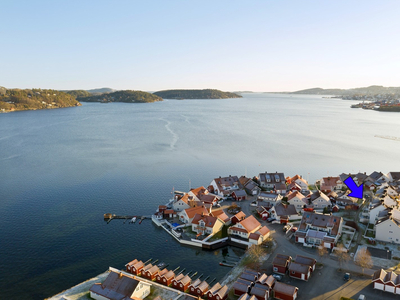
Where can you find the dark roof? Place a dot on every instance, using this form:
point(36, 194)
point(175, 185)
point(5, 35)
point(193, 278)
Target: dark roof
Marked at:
point(285, 209)
point(281, 260)
point(285, 288)
point(375, 175)
point(299, 268)
point(116, 286)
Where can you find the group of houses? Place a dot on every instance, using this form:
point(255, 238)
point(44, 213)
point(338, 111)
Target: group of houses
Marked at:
point(386, 281)
point(184, 283)
point(253, 285)
point(384, 211)
point(300, 268)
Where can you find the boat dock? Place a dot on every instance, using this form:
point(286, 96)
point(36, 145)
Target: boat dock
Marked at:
point(109, 217)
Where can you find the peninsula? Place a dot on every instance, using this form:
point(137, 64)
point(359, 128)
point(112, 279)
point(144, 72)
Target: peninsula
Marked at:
point(196, 94)
point(32, 99)
point(128, 96)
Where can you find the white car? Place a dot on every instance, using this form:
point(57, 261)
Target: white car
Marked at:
point(254, 203)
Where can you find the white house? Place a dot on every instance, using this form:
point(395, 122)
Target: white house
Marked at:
point(320, 201)
point(181, 203)
point(374, 212)
point(188, 214)
point(319, 229)
point(273, 182)
point(297, 199)
point(300, 181)
point(223, 186)
point(390, 202)
point(120, 285)
point(393, 176)
point(284, 212)
point(269, 198)
point(206, 224)
point(388, 230)
point(245, 227)
point(392, 192)
point(329, 184)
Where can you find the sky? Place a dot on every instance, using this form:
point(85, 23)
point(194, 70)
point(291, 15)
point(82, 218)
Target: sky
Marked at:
point(265, 46)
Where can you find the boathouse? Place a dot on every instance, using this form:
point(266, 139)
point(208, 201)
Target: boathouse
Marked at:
point(202, 288)
point(151, 273)
point(193, 286)
point(280, 263)
point(160, 274)
point(167, 278)
point(184, 283)
point(176, 280)
point(220, 294)
point(260, 291)
point(135, 267)
point(284, 291)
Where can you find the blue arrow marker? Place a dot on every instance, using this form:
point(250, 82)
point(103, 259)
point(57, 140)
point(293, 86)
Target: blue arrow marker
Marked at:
point(356, 191)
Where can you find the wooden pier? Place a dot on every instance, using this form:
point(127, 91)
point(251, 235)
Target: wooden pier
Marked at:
point(109, 217)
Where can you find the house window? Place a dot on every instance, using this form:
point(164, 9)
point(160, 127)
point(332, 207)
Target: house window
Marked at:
point(293, 272)
point(275, 269)
point(390, 231)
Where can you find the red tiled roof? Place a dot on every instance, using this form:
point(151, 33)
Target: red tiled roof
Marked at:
point(250, 223)
point(191, 212)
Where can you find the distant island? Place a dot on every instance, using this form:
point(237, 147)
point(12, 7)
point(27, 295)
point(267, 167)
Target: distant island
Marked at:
point(32, 99)
point(196, 94)
point(127, 96)
point(371, 90)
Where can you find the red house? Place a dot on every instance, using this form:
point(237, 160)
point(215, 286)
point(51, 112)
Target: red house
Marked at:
point(280, 263)
point(284, 291)
point(167, 278)
point(247, 297)
point(267, 280)
point(239, 195)
point(306, 261)
point(241, 286)
point(145, 269)
point(176, 280)
point(213, 290)
point(135, 267)
point(240, 216)
point(261, 292)
point(299, 271)
point(220, 294)
point(193, 286)
point(160, 275)
point(202, 288)
point(151, 273)
point(184, 283)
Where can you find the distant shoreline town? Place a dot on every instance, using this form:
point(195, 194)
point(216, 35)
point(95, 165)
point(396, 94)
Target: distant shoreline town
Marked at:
point(291, 229)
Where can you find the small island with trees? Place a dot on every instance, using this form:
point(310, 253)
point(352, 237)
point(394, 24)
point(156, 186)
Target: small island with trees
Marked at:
point(127, 96)
point(196, 94)
point(32, 99)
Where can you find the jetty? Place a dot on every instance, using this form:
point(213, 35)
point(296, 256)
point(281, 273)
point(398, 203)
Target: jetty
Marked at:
point(109, 217)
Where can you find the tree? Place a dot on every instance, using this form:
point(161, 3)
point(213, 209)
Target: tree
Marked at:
point(254, 256)
point(342, 255)
point(322, 251)
point(363, 259)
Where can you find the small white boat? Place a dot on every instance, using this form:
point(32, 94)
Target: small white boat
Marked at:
point(133, 220)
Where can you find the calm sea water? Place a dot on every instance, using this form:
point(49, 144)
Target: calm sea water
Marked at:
point(61, 170)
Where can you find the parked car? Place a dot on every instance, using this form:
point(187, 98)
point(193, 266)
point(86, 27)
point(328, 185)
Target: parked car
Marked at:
point(346, 277)
point(277, 277)
point(294, 229)
point(254, 203)
point(271, 219)
point(286, 228)
point(362, 297)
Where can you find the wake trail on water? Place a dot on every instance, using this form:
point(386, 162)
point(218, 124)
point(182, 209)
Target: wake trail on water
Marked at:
point(175, 137)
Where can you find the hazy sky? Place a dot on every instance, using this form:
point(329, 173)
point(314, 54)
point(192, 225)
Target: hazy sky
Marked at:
point(228, 45)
